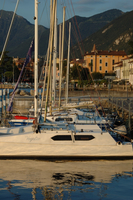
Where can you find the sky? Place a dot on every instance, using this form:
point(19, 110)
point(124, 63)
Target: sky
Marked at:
point(83, 8)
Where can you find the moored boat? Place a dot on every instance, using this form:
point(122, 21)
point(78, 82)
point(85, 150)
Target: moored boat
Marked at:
point(53, 140)
point(64, 141)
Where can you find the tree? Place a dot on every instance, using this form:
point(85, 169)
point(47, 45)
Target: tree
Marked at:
point(16, 73)
point(6, 65)
point(76, 72)
point(97, 75)
point(64, 68)
point(85, 75)
point(8, 75)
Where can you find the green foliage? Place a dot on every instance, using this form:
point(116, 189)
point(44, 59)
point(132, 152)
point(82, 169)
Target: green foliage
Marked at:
point(79, 73)
point(80, 83)
point(97, 75)
point(103, 81)
point(83, 82)
point(76, 72)
point(85, 75)
point(16, 73)
point(110, 74)
point(6, 68)
point(8, 75)
point(5, 65)
point(7, 62)
point(64, 68)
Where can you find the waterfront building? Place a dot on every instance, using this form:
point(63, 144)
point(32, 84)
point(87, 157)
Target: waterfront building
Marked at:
point(131, 72)
point(124, 70)
point(102, 60)
point(118, 70)
point(77, 61)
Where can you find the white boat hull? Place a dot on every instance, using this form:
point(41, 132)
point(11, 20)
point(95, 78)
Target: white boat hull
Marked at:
point(27, 150)
point(46, 144)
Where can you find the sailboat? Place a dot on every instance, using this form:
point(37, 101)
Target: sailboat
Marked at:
point(50, 140)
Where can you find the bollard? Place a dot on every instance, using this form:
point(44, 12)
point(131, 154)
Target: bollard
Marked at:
point(112, 103)
point(40, 98)
point(122, 109)
point(8, 97)
point(4, 100)
point(0, 103)
point(129, 117)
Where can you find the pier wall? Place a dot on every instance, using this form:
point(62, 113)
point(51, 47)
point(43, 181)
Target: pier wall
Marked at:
point(23, 103)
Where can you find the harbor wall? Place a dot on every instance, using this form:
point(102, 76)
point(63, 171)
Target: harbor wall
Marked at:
point(23, 103)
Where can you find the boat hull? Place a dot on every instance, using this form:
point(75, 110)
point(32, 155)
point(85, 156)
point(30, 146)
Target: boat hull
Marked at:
point(48, 144)
point(20, 122)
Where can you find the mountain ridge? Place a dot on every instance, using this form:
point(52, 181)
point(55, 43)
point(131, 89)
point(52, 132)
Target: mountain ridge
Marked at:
point(23, 31)
point(113, 36)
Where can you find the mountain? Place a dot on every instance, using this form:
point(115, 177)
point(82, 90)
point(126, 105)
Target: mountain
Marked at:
point(23, 32)
point(113, 36)
point(88, 26)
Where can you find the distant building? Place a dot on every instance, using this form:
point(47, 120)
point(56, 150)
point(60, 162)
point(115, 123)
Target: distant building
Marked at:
point(103, 61)
point(124, 70)
point(77, 61)
point(118, 70)
point(131, 71)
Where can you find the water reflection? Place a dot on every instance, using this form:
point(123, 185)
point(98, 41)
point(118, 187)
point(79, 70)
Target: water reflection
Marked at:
point(35, 179)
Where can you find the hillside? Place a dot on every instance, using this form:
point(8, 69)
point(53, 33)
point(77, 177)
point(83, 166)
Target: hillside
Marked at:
point(21, 35)
point(23, 31)
point(114, 36)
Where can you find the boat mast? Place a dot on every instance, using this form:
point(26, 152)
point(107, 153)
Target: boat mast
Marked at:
point(60, 27)
point(50, 60)
point(36, 59)
point(48, 52)
point(63, 29)
point(50, 89)
point(54, 57)
point(68, 60)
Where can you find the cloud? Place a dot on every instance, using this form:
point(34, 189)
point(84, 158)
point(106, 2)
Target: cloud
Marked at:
point(90, 2)
point(87, 7)
point(126, 6)
point(83, 8)
point(12, 1)
point(91, 7)
point(21, 1)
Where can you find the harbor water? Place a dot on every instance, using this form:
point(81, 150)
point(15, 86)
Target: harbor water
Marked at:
point(39, 179)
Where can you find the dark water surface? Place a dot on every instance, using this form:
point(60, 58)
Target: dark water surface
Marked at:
point(33, 179)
